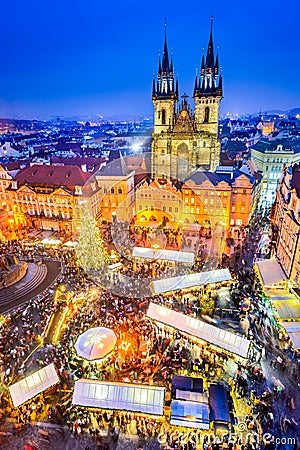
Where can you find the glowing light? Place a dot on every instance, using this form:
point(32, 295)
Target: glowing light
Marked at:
point(136, 147)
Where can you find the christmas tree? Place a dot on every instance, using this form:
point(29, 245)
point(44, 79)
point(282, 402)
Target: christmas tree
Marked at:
point(91, 252)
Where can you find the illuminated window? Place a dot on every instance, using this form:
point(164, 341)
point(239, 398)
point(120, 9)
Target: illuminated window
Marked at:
point(192, 200)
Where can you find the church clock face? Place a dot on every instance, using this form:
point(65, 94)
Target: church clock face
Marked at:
point(183, 114)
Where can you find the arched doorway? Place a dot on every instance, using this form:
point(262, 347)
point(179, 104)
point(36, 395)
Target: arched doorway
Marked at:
point(182, 161)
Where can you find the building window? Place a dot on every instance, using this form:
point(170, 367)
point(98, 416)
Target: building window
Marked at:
point(164, 209)
point(192, 200)
point(206, 114)
point(112, 191)
point(120, 191)
point(170, 208)
point(140, 207)
point(176, 209)
point(163, 117)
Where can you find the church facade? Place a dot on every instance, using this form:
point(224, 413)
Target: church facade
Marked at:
point(186, 140)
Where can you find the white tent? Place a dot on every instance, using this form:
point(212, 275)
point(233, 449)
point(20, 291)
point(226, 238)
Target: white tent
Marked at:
point(231, 342)
point(34, 384)
point(293, 330)
point(166, 255)
point(191, 280)
point(120, 396)
point(270, 272)
point(190, 414)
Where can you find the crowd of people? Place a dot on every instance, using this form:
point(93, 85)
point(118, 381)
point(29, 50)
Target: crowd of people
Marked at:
point(152, 354)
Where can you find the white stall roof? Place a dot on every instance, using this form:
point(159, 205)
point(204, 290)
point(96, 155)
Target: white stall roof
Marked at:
point(293, 330)
point(166, 255)
point(202, 330)
point(120, 396)
point(200, 397)
point(190, 414)
point(191, 280)
point(34, 384)
point(270, 272)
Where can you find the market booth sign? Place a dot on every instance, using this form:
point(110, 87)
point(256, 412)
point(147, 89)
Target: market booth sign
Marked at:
point(34, 384)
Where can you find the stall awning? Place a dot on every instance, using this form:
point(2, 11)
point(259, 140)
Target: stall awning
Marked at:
point(202, 330)
point(189, 414)
point(287, 309)
point(166, 255)
point(115, 266)
point(270, 272)
point(120, 396)
point(218, 402)
point(34, 384)
point(191, 280)
point(293, 330)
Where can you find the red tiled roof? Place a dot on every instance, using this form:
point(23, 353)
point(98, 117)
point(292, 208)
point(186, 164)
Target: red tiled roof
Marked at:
point(53, 175)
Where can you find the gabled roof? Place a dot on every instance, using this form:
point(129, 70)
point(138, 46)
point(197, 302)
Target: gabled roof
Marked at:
point(53, 175)
point(116, 167)
point(199, 177)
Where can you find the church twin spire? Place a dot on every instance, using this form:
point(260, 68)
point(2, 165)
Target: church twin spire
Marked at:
point(210, 80)
point(208, 83)
point(165, 86)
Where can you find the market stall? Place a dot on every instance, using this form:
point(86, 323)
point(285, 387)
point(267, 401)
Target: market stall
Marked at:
point(293, 331)
point(226, 340)
point(191, 280)
point(164, 255)
point(271, 273)
point(34, 384)
point(219, 406)
point(119, 396)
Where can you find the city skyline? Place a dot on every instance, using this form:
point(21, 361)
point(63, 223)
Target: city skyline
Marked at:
point(76, 60)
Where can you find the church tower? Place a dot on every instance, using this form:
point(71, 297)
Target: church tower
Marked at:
point(164, 93)
point(208, 92)
point(183, 140)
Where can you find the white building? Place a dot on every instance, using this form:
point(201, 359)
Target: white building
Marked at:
point(270, 158)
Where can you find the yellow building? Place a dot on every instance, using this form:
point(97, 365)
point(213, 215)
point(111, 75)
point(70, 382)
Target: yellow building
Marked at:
point(182, 140)
point(205, 198)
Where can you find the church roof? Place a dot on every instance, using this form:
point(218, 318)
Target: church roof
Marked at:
point(116, 166)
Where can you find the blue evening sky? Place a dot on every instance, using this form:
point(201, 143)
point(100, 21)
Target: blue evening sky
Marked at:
point(97, 57)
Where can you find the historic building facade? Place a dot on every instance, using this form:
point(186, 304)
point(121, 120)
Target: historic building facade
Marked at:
point(184, 140)
point(205, 198)
point(270, 157)
point(286, 223)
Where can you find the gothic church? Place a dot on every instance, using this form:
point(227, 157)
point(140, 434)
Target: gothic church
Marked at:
point(186, 140)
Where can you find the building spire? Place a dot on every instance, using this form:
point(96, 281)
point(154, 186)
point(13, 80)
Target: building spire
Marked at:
point(208, 82)
point(165, 60)
point(210, 60)
point(165, 84)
